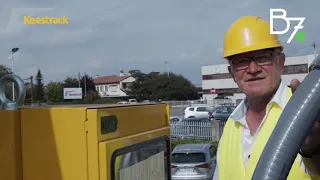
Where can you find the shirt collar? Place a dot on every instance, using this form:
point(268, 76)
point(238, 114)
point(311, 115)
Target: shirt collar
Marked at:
point(279, 98)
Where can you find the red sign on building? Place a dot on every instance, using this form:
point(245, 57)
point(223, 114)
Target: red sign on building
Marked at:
point(213, 91)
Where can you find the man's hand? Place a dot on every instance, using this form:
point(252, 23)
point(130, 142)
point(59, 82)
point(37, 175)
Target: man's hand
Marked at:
point(313, 139)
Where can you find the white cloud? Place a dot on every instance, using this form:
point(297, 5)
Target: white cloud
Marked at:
point(94, 63)
point(104, 37)
point(63, 37)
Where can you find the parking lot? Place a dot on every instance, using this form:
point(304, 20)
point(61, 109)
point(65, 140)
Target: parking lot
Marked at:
point(176, 111)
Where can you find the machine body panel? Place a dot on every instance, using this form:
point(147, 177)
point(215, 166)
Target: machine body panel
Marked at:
point(10, 148)
point(79, 142)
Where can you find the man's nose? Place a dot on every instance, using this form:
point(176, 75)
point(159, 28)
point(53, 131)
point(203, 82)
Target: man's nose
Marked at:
point(253, 67)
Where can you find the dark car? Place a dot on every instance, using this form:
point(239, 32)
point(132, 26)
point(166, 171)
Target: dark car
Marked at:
point(222, 113)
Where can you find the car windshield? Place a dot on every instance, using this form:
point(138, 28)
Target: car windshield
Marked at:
point(225, 109)
point(211, 110)
point(188, 157)
point(232, 108)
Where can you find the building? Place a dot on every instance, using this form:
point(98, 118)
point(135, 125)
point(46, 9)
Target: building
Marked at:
point(113, 86)
point(217, 81)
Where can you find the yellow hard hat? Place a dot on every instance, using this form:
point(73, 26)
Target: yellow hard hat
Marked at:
point(249, 33)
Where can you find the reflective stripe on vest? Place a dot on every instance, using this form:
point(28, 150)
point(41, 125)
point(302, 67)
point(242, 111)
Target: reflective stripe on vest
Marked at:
point(231, 164)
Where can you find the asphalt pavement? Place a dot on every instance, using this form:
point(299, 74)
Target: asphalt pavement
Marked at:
point(176, 111)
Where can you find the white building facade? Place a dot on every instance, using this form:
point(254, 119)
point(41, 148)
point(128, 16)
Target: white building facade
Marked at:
point(217, 79)
point(113, 86)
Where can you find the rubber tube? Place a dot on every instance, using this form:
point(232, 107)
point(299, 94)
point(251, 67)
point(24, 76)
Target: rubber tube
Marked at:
point(293, 126)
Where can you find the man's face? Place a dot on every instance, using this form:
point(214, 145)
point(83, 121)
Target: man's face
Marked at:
point(257, 73)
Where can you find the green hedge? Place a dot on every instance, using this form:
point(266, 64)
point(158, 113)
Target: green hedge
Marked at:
point(175, 142)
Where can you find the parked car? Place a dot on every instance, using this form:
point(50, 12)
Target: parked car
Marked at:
point(175, 119)
point(197, 111)
point(123, 102)
point(210, 112)
point(222, 113)
point(193, 161)
point(132, 101)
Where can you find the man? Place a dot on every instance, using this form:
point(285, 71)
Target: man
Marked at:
point(256, 63)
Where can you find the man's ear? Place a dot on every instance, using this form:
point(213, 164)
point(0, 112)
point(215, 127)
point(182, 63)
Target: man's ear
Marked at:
point(231, 72)
point(282, 59)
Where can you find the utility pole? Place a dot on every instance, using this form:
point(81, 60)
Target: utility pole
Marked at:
point(31, 88)
point(79, 78)
point(31, 83)
point(85, 84)
point(167, 67)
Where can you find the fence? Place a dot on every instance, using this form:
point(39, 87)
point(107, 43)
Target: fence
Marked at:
point(203, 130)
point(214, 102)
point(221, 126)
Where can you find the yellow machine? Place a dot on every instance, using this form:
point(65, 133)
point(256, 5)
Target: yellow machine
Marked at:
point(109, 142)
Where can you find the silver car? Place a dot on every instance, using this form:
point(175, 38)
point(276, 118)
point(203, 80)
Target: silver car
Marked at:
point(193, 162)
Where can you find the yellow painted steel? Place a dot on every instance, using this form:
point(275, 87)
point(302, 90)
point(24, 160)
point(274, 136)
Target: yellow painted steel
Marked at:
point(54, 143)
point(65, 142)
point(10, 147)
point(135, 124)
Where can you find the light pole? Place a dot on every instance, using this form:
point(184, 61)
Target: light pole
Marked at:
point(13, 50)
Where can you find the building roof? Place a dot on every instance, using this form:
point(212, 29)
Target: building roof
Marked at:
point(109, 79)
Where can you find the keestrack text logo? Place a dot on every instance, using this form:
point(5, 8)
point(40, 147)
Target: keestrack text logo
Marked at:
point(300, 36)
point(45, 20)
point(72, 93)
point(15, 22)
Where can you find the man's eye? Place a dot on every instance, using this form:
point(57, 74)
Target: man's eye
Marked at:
point(263, 56)
point(243, 61)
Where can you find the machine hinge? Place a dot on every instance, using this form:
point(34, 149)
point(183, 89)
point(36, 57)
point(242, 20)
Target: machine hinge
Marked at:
point(86, 128)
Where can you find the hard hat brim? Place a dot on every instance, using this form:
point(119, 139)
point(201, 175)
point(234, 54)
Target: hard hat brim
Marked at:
point(256, 47)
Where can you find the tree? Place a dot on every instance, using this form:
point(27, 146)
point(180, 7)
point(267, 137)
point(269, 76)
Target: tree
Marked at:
point(138, 88)
point(137, 74)
point(4, 70)
point(89, 85)
point(154, 86)
point(70, 82)
point(39, 88)
point(91, 97)
point(28, 93)
point(54, 92)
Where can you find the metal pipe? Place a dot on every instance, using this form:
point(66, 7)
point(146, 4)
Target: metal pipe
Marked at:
point(7, 104)
point(292, 128)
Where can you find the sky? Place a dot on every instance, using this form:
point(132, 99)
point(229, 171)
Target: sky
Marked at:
point(105, 37)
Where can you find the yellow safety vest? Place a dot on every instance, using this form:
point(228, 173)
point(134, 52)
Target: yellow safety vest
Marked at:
point(231, 164)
